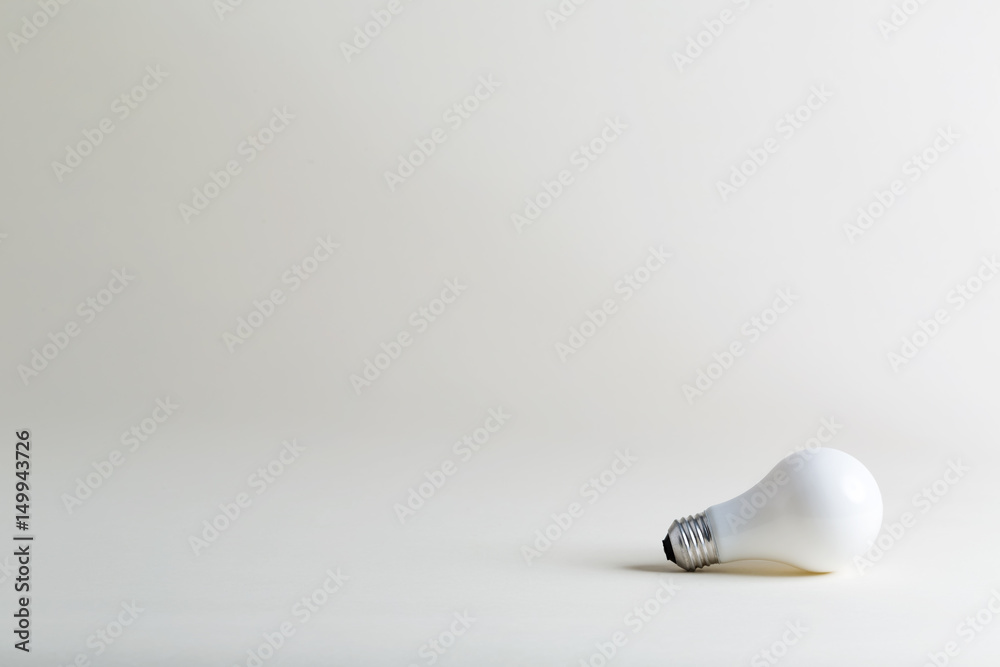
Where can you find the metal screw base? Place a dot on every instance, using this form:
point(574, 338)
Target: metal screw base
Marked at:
point(690, 544)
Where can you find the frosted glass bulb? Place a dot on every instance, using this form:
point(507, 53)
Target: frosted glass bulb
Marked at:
point(817, 509)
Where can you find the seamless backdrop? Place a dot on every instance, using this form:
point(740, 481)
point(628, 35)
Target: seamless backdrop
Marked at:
point(375, 333)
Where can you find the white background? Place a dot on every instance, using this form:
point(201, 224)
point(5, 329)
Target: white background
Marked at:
point(495, 346)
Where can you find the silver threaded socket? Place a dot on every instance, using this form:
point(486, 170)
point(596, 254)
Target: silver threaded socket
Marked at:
point(690, 544)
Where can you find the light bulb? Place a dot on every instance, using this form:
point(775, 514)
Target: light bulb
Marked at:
point(817, 510)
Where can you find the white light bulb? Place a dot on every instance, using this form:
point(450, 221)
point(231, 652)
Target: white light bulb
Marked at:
point(817, 509)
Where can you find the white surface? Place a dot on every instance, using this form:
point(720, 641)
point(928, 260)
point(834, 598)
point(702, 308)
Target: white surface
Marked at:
point(652, 192)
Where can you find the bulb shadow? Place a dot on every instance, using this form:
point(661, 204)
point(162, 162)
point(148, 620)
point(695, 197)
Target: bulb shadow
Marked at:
point(745, 568)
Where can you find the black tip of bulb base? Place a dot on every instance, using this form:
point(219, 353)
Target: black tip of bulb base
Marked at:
point(668, 549)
